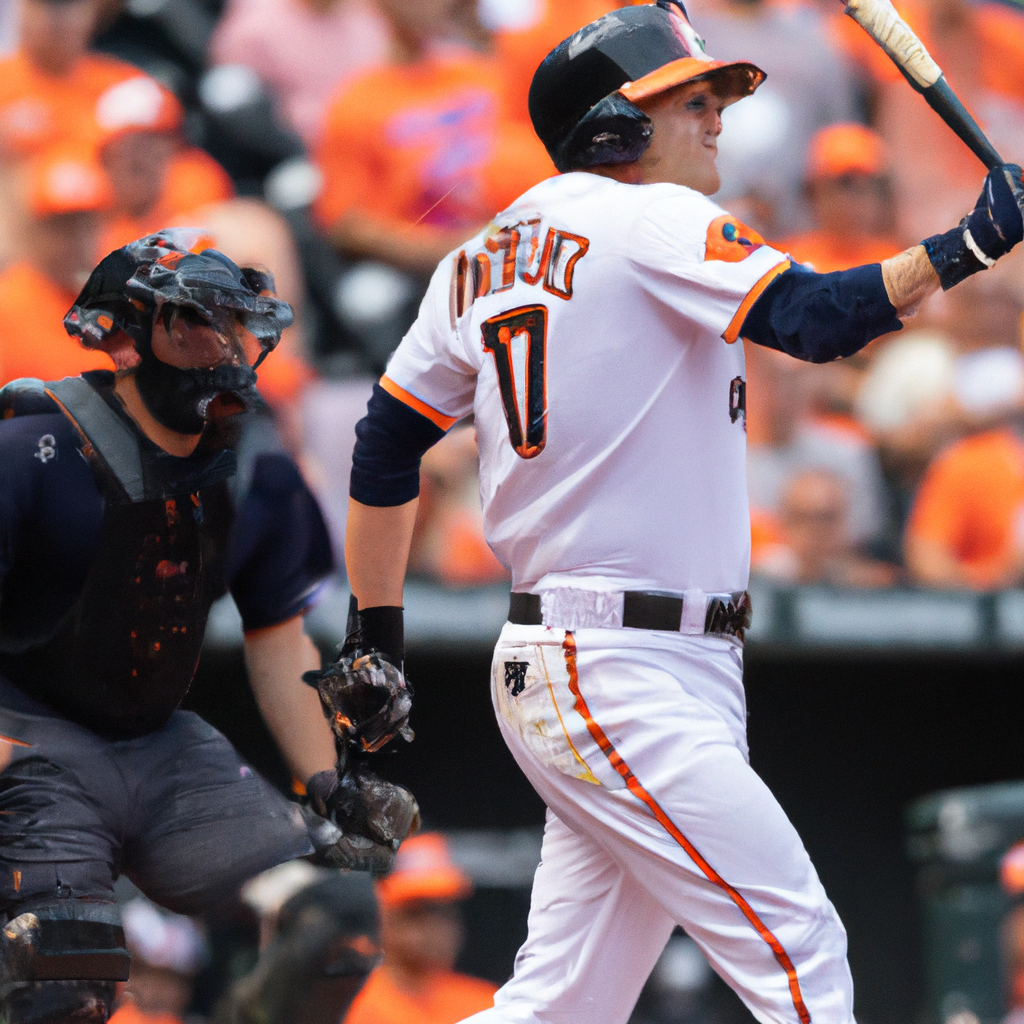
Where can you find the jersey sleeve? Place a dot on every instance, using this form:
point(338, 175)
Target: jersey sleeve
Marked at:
point(433, 371)
point(279, 552)
point(702, 262)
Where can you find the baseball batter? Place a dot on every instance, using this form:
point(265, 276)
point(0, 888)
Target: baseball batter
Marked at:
point(591, 332)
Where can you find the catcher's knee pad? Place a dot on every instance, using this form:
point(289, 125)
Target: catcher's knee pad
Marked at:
point(60, 962)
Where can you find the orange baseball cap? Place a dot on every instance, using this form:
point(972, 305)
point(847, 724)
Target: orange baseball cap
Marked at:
point(66, 180)
point(1011, 870)
point(424, 870)
point(137, 104)
point(845, 149)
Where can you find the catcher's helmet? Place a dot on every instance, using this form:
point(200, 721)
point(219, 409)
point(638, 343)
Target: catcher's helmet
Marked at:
point(582, 99)
point(177, 267)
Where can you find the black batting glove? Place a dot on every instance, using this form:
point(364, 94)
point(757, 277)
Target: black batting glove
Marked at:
point(989, 231)
point(364, 694)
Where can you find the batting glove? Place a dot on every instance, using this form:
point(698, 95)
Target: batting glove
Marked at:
point(989, 231)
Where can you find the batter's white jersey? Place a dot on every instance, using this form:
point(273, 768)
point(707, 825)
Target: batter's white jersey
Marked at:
point(589, 330)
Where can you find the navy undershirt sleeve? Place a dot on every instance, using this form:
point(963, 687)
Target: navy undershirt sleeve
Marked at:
point(390, 441)
point(279, 552)
point(821, 317)
point(51, 515)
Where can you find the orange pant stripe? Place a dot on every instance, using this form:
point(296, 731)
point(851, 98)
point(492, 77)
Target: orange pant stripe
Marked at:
point(635, 787)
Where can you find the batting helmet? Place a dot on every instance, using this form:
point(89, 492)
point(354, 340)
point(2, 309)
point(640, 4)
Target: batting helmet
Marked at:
point(583, 96)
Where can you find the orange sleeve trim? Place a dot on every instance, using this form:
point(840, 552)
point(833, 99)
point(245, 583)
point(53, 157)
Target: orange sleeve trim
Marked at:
point(732, 332)
point(437, 418)
point(616, 761)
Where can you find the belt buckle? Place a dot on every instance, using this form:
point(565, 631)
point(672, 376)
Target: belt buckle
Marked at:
point(728, 614)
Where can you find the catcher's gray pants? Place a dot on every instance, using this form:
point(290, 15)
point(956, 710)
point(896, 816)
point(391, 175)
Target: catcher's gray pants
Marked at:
point(176, 810)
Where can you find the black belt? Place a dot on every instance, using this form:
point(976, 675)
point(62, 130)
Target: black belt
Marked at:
point(727, 614)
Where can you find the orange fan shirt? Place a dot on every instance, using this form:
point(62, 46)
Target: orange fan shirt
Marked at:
point(194, 179)
point(129, 1013)
point(425, 143)
point(33, 342)
point(520, 52)
point(826, 252)
point(971, 501)
point(448, 998)
point(37, 109)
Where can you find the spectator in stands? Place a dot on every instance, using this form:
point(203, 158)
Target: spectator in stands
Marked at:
point(906, 402)
point(302, 50)
point(47, 91)
point(416, 155)
point(763, 150)
point(158, 178)
point(980, 47)
point(787, 437)
point(981, 390)
point(966, 528)
point(519, 50)
point(319, 943)
point(49, 86)
point(166, 950)
point(421, 935)
point(67, 195)
point(850, 201)
point(815, 546)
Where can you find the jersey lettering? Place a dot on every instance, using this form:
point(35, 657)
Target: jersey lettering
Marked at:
point(518, 341)
point(518, 251)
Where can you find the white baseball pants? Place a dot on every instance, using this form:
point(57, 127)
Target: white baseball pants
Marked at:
point(636, 741)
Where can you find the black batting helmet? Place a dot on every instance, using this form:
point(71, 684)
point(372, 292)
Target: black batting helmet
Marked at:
point(583, 96)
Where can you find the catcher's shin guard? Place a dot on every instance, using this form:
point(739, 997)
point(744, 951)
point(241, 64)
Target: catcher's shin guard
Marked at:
point(59, 963)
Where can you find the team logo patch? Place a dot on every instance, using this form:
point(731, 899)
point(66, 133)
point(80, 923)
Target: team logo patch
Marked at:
point(730, 241)
point(515, 676)
point(47, 446)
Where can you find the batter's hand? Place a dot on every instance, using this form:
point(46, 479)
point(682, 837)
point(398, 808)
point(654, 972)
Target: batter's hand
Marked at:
point(989, 231)
point(366, 699)
point(996, 224)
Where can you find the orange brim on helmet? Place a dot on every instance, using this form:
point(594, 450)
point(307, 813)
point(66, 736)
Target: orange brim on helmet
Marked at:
point(733, 80)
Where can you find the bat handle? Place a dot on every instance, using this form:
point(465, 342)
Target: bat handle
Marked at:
point(945, 103)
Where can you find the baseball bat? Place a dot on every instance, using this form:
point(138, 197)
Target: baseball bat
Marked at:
point(882, 22)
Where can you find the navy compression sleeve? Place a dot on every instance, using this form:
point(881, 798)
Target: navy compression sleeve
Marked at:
point(390, 441)
point(820, 317)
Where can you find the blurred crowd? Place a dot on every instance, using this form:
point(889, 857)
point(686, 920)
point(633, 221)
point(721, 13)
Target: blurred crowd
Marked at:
point(347, 145)
point(311, 946)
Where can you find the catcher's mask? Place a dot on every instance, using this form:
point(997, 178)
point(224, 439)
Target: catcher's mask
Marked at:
point(583, 96)
point(191, 324)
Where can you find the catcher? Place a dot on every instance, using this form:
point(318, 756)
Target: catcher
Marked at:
point(117, 532)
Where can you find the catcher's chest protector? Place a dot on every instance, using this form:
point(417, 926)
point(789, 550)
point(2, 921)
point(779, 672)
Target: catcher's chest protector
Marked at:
point(121, 660)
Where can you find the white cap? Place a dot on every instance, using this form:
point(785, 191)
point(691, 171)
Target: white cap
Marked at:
point(163, 939)
point(269, 891)
point(911, 373)
point(990, 381)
